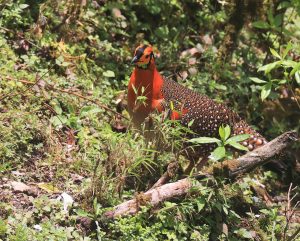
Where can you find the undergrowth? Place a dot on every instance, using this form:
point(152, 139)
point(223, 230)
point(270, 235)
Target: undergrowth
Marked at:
point(63, 71)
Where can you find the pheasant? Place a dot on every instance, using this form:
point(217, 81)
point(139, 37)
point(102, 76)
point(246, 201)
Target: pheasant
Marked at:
point(157, 93)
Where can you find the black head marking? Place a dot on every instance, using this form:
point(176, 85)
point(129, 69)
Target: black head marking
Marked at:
point(140, 51)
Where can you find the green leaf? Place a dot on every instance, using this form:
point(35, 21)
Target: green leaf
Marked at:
point(227, 131)
point(89, 110)
point(238, 138)
point(284, 4)
point(242, 232)
point(172, 106)
point(268, 67)
point(261, 25)
point(23, 6)
point(191, 123)
point(274, 53)
point(134, 89)
point(289, 64)
point(295, 69)
point(257, 80)
point(225, 210)
point(287, 49)
point(278, 20)
point(238, 146)
point(218, 153)
point(222, 132)
point(220, 87)
point(283, 81)
point(297, 77)
point(265, 211)
point(59, 60)
point(48, 187)
point(266, 90)
point(204, 140)
point(109, 74)
point(200, 204)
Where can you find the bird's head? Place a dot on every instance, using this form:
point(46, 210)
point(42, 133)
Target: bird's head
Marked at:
point(143, 56)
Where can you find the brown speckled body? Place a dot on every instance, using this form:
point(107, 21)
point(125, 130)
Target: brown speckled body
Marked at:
point(207, 116)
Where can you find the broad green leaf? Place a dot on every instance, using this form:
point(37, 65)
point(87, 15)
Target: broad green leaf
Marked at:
point(222, 132)
point(59, 60)
point(23, 6)
point(238, 138)
point(244, 233)
point(218, 153)
point(238, 146)
point(261, 25)
point(200, 206)
point(266, 90)
point(295, 69)
point(274, 53)
point(283, 81)
point(284, 4)
point(89, 110)
point(270, 16)
point(204, 140)
point(82, 213)
point(109, 74)
point(289, 63)
point(265, 211)
point(268, 67)
point(227, 131)
point(278, 20)
point(257, 80)
point(58, 121)
point(220, 87)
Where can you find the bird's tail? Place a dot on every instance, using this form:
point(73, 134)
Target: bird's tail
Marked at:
point(256, 140)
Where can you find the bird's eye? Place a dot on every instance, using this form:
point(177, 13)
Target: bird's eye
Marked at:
point(147, 56)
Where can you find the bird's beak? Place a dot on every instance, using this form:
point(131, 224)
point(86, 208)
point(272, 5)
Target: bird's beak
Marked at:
point(134, 60)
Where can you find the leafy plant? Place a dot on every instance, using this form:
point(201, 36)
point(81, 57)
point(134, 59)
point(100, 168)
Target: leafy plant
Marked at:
point(225, 140)
point(289, 69)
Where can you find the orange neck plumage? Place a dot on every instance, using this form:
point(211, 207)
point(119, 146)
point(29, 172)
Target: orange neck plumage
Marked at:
point(144, 93)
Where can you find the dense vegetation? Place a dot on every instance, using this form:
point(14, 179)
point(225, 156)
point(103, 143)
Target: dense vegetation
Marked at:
point(64, 67)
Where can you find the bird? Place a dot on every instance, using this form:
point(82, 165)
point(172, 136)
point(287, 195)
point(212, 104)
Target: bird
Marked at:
point(149, 91)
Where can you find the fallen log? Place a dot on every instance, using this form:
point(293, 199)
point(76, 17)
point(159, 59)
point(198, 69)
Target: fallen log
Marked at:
point(233, 168)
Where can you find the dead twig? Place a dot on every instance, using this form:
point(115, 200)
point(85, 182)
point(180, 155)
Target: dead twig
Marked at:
point(289, 212)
